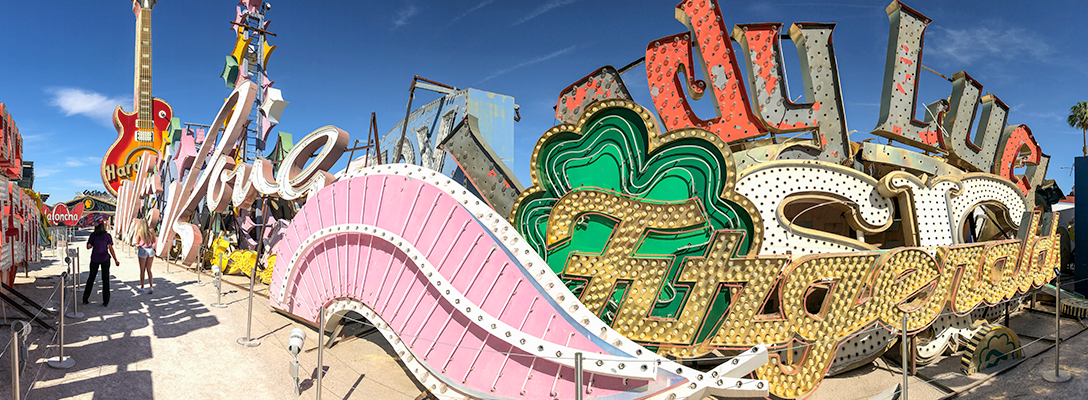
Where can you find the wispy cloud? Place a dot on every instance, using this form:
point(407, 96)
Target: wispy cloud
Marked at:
point(90, 104)
point(962, 47)
point(530, 62)
point(79, 162)
point(1049, 116)
point(36, 137)
point(403, 14)
point(543, 8)
point(80, 183)
point(41, 173)
point(469, 11)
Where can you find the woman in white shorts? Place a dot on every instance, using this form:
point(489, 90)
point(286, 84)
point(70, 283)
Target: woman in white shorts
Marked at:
point(145, 251)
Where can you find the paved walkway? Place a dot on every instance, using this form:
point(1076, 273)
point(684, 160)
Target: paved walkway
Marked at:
point(172, 345)
point(1026, 382)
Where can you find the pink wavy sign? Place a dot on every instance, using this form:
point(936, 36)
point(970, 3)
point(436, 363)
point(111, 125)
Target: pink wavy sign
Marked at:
point(468, 306)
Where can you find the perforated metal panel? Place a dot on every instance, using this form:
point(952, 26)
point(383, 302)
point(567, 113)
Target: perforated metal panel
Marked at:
point(496, 183)
point(988, 189)
point(823, 113)
point(604, 83)
point(898, 104)
point(861, 349)
point(768, 185)
point(912, 161)
point(974, 151)
point(669, 58)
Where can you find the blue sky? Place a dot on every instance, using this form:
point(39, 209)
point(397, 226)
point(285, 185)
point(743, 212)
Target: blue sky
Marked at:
point(65, 66)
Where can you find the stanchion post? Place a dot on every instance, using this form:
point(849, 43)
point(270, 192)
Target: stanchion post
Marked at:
point(75, 304)
point(218, 285)
point(248, 340)
point(78, 271)
point(1058, 375)
point(320, 348)
point(1007, 315)
point(199, 267)
point(75, 308)
point(168, 270)
point(15, 365)
point(578, 376)
point(914, 355)
point(61, 362)
point(903, 343)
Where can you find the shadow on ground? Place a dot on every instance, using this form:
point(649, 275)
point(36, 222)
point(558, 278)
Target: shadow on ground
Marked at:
point(104, 365)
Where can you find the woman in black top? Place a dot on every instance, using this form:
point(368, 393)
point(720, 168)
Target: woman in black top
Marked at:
point(101, 245)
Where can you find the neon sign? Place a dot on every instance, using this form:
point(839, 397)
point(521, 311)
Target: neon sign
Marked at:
point(60, 214)
point(227, 184)
point(644, 240)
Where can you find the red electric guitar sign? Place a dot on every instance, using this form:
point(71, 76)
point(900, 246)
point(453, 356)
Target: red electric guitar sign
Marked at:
point(141, 131)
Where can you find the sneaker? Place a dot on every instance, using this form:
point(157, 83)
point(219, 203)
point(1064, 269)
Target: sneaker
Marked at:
point(151, 290)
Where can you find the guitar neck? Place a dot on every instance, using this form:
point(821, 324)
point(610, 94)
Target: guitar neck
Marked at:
point(142, 79)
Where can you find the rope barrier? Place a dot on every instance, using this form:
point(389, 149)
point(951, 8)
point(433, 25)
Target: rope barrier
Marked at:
point(41, 365)
point(928, 381)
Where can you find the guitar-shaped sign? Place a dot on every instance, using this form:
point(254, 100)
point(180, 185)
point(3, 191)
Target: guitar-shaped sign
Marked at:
point(141, 131)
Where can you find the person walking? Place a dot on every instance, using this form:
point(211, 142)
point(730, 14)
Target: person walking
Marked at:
point(101, 245)
point(145, 252)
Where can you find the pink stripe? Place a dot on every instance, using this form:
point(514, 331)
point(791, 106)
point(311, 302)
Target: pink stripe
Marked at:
point(436, 330)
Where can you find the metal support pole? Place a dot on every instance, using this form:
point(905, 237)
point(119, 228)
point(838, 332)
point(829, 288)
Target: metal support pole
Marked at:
point(1058, 375)
point(578, 376)
point(320, 349)
point(75, 303)
point(168, 271)
point(248, 340)
point(61, 362)
point(218, 285)
point(294, 376)
point(218, 293)
point(1007, 315)
point(15, 365)
point(904, 343)
point(914, 355)
point(199, 268)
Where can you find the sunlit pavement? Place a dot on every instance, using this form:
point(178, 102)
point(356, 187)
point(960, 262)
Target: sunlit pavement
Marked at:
point(172, 345)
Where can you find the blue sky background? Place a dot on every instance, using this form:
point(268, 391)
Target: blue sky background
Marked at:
point(65, 66)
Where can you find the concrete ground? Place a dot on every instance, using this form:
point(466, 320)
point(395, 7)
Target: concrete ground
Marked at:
point(944, 380)
point(173, 345)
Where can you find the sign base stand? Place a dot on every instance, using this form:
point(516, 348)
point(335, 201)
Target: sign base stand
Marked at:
point(1057, 377)
point(247, 342)
point(58, 363)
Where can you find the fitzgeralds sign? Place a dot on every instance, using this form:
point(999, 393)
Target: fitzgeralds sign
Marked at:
point(653, 237)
